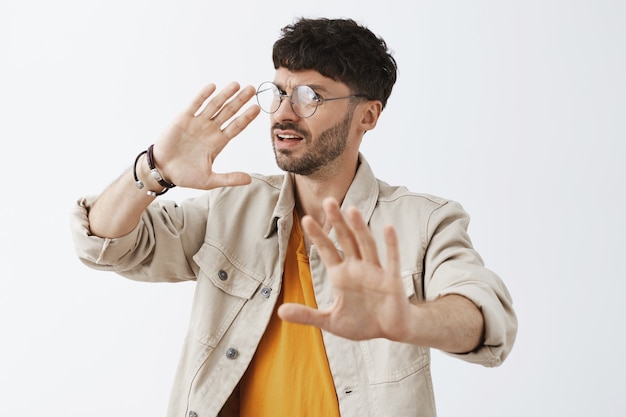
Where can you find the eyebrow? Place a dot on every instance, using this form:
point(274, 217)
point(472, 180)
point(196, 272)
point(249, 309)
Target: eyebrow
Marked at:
point(314, 87)
point(317, 87)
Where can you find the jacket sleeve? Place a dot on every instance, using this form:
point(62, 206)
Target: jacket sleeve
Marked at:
point(452, 266)
point(178, 229)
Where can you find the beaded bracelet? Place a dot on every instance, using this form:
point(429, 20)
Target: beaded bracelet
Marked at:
point(154, 173)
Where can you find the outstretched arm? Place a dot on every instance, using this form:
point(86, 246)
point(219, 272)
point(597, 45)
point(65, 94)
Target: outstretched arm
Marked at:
point(370, 300)
point(184, 155)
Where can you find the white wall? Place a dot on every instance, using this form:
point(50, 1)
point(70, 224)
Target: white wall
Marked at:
point(514, 108)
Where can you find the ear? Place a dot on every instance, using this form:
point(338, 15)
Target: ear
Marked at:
point(370, 113)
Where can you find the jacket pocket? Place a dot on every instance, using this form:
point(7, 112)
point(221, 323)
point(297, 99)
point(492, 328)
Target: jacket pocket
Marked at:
point(222, 289)
point(388, 361)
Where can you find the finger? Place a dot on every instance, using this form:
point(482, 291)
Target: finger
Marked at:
point(214, 105)
point(201, 98)
point(325, 247)
point(343, 231)
point(392, 265)
point(241, 122)
point(363, 236)
point(233, 106)
point(301, 314)
point(230, 131)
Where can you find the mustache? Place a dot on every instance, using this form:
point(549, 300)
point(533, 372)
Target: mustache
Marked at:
point(290, 126)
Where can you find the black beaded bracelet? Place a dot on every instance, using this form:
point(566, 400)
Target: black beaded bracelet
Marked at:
point(140, 183)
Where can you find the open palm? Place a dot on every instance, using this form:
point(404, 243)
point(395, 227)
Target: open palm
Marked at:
point(369, 299)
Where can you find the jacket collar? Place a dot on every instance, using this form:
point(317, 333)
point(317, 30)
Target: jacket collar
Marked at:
point(362, 194)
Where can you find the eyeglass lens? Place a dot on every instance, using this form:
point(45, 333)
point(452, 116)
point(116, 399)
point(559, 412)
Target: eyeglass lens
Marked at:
point(303, 99)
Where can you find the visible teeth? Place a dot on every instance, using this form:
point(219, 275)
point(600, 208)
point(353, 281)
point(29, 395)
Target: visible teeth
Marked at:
point(288, 137)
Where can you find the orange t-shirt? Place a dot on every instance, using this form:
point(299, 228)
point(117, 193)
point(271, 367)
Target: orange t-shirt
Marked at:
point(289, 374)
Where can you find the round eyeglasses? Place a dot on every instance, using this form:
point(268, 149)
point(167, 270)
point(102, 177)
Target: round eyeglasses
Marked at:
point(303, 99)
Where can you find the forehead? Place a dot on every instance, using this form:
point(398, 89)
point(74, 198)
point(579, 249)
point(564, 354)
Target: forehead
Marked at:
point(286, 80)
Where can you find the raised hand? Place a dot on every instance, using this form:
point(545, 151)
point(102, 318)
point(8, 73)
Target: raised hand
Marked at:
point(184, 155)
point(369, 299)
point(185, 152)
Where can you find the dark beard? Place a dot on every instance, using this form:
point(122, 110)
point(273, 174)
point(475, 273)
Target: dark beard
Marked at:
point(328, 146)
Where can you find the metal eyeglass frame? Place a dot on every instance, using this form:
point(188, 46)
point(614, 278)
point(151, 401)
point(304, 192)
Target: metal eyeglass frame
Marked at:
point(317, 100)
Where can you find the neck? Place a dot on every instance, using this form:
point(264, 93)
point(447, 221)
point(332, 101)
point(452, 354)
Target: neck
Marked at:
point(311, 192)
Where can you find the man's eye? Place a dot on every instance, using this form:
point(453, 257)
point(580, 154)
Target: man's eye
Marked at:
point(312, 95)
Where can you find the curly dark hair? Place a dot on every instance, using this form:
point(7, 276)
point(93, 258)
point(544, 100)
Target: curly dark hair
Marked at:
point(339, 49)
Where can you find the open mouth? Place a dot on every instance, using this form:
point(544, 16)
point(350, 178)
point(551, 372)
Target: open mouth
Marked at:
point(288, 137)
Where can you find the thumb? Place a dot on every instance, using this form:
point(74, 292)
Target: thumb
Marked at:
point(301, 314)
point(229, 179)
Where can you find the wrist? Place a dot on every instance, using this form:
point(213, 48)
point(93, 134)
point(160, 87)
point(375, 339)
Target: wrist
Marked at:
point(154, 171)
point(147, 176)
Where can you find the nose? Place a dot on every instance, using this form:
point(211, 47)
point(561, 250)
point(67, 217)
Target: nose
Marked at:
point(285, 111)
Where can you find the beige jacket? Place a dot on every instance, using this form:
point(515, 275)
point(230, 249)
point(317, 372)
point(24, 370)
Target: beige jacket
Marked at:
point(232, 241)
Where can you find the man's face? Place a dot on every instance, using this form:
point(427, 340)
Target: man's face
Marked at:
point(313, 145)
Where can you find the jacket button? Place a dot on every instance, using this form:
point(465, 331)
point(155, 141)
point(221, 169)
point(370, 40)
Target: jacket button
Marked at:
point(266, 291)
point(231, 353)
point(192, 414)
point(222, 275)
